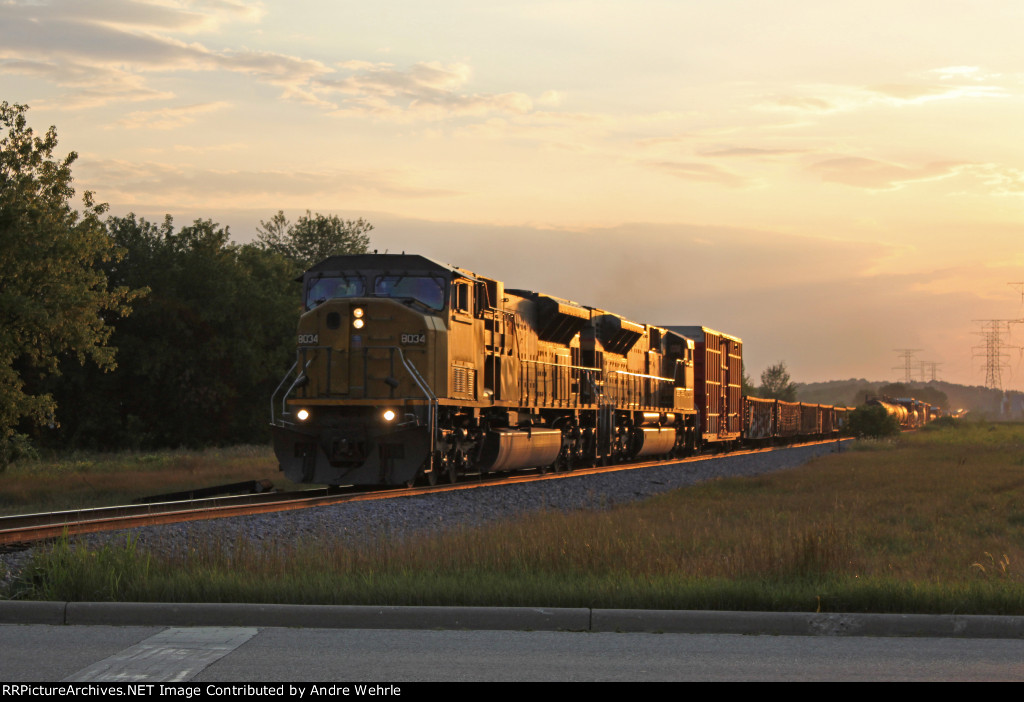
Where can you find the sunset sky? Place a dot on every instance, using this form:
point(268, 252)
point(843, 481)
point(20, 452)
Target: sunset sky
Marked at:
point(828, 181)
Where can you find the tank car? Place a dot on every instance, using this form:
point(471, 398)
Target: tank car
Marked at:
point(408, 369)
point(894, 408)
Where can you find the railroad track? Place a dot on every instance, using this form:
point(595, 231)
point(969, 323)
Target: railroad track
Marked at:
point(31, 528)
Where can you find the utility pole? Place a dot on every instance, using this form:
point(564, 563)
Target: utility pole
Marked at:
point(908, 363)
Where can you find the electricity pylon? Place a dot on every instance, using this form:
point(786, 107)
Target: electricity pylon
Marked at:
point(994, 332)
point(908, 363)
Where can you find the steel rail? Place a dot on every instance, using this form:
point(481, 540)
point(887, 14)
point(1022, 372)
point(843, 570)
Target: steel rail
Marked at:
point(48, 524)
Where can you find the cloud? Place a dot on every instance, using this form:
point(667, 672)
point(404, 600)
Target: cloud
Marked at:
point(701, 172)
point(1001, 180)
point(962, 279)
point(168, 15)
point(961, 73)
point(169, 117)
point(916, 93)
point(831, 98)
point(130, 182)
point(93, 86)
point(425, 91)
point(750, 152)
point(881, 175)
point(910, 92)
point(103, 51)
point(799, 103)
point(575, 132)
point(108, 51)
point(209, 148)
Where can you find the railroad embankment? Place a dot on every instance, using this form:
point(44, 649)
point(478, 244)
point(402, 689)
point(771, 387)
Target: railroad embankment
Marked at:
point(930, 523)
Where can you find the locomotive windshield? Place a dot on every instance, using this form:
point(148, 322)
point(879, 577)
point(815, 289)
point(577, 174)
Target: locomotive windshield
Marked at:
point(323, 289)
point(422, 288)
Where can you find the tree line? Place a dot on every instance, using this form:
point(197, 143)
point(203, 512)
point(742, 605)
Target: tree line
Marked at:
point(118, 332)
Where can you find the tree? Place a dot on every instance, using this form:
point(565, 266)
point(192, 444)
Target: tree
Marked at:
point(865, 393)
point(872, 422)
point(201, 354)
point(775, 383)
point(896, 390)
point(313, 237)
point(54, 299)
point(747, 384)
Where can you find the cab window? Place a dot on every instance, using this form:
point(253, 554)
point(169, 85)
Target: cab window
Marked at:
point(461, 299)
point(322, 289)
point(422, 288)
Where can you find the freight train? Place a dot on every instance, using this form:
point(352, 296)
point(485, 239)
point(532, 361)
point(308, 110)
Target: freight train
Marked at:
point(909, 412)
point(412, 370)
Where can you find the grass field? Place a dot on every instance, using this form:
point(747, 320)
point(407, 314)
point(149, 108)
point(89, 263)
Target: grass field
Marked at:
point(932, 522)
point(81, 480)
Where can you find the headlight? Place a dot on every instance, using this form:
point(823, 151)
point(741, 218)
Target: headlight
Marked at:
point(357, 313)
point(302, 415)
point(358, 323)
point(389, 415)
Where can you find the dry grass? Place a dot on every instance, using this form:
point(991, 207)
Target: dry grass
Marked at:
point(81, 480)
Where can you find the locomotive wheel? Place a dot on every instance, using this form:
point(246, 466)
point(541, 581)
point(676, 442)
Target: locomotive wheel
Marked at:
point(563, 464)
point(452, 465)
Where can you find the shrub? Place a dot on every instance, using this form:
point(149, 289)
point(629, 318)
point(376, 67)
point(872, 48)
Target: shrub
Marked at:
point(945, 422)
point(872, 421)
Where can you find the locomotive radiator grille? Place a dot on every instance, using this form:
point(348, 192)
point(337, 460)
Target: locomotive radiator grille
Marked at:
point(464, 381)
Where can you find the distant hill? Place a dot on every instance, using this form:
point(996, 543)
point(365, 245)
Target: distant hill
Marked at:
point(976, 399)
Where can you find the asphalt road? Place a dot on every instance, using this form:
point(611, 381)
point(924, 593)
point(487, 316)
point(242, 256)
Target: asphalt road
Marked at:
point(255, 655)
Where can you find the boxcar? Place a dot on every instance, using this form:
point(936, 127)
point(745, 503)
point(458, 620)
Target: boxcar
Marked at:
point(718, 366)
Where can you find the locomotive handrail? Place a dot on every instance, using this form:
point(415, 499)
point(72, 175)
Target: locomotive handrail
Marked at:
point(298, 379)
point(558, 365)
point(278, 389)
point(643, 375)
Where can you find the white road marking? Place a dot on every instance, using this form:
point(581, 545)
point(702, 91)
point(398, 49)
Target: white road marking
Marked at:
point(173, 655)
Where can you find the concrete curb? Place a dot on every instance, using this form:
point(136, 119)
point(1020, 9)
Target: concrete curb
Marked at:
point(510, 619)
point(27, 612)
point(809, 624)
point(327, 616)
